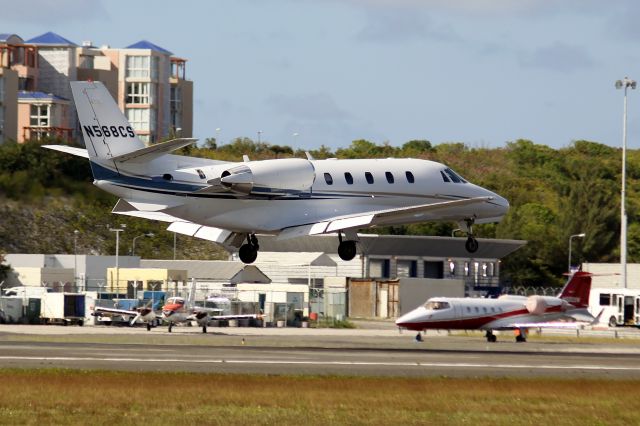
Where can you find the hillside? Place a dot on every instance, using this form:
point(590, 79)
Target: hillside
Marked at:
point(554, 193)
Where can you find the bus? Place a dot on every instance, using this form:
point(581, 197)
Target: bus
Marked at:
point(619, 306)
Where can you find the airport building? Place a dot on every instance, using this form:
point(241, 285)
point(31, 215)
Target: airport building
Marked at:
point(147, 81)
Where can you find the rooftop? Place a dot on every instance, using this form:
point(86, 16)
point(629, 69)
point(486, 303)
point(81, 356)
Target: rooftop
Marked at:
point(10, 38)
point(144, 44)
point(52, 39)
point(23, 94)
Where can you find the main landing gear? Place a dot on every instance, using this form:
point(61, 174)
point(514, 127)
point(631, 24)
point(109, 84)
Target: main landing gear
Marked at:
point(491, 338)
point(346, 249)
point(249, 251)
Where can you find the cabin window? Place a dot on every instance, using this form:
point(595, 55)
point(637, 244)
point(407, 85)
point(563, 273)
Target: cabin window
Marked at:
point(605, 299)
point(484, 310)
point(369, 177)
point(348, 178)
point(201, 174)
point(444, 177)
point(167, 176)
point(328, 179)
point(410, 177)
point(468, 309)
point(389, 176)
point(477, 310)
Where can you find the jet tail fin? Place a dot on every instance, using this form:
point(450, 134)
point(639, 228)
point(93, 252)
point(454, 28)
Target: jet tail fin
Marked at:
point(107, 132)
point(577, 289)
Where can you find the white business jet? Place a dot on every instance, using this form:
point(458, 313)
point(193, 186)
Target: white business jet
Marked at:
point(568, 310)
point(230, 202)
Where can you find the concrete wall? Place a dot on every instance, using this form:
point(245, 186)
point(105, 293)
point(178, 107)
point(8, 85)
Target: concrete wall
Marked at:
point(415, 291)
point(9, 105)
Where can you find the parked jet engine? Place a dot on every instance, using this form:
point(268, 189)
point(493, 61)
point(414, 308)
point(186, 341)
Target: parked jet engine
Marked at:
point(272, 176)
point(538, 305)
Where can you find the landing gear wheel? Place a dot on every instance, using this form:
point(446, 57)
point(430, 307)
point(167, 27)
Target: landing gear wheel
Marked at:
point(248, 253)
point(170, 326)
point(612, 322)
point(520, 338)
point(347, 250)
point(148, 326)
point(471, 245)
point(204, 328)
point(491, 338)
point(419, 337)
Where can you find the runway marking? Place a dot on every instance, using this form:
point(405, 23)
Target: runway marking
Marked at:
point(328, 363)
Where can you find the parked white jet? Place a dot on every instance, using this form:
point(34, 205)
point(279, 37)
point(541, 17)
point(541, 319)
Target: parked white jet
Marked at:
point(506, 312)
point(230, 203)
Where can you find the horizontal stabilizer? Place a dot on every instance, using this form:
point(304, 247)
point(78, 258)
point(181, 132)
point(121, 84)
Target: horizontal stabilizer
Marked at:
point(151, 152)
point(79, 152)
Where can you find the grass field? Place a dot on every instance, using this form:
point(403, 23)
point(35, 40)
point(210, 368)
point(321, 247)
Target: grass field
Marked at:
point(73, 397)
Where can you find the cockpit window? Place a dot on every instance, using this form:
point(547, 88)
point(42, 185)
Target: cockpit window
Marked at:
point(454, 176)
point(436, 306)
point(444, 177)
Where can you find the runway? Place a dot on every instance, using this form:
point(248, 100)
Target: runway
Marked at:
point(335, 354)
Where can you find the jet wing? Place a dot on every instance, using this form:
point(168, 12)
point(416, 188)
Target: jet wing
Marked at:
point(229, 317)
point(380, 217)
point(150, 152)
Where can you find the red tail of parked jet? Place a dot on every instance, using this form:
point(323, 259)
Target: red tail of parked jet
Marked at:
point(577, 289)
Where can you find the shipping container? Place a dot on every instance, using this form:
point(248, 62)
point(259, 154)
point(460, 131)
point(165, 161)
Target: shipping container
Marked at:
point(63, 308)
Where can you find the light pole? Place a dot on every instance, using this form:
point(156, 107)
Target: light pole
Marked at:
point(175, 239)
point(117, 231)
point(625, 83)
point(133, 243)
point(218, 135)
point(571, 238)
point(75, 257)
point(295, 138)
point(259, 136)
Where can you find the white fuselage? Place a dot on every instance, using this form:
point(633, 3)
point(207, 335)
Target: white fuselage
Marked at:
point(483, 314)
point(338, 188)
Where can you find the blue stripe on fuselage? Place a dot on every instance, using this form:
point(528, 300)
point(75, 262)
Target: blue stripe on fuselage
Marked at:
point(156, 182)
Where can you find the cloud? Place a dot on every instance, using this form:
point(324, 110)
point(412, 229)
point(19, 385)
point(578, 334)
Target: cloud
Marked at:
point(311, 107)
point(49, 13)
point(558, 57)
point(400, 25)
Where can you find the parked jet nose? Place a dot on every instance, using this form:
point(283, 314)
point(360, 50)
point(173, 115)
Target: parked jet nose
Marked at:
point(411, 320)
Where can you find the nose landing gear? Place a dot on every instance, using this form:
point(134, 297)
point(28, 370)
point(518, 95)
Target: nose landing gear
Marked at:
point(471, 244)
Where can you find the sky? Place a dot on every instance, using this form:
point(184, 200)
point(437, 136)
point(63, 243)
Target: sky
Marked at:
point(309, 72)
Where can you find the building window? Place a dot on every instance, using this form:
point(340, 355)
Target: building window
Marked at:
point(369, 177)
point(40, 116)
point(410, 177)
point(379, 268)
point(348, 178)
point(141, 118)
point(407, 268)
point(142, 66)
point(433, 269)
point(328, 179)
point(140, 93)
point(389, 176)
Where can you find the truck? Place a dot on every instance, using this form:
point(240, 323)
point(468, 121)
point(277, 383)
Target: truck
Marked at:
point(619, 306)
point(63, 308)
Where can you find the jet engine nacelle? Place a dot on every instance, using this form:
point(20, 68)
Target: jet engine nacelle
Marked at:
point(294, 174)
point(538, 305)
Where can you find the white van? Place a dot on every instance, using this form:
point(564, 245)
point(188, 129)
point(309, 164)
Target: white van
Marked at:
point(620, 306)
point(27, 292)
